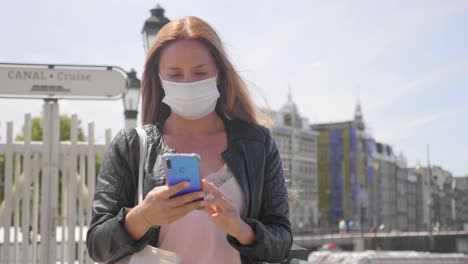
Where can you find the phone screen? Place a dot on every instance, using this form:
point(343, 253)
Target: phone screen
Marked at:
point(180, 167)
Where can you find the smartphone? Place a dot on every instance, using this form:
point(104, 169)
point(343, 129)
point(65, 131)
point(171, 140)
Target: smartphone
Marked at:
point(180, 167)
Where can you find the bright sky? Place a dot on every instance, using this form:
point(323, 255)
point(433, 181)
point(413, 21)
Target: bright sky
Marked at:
point(407, 61)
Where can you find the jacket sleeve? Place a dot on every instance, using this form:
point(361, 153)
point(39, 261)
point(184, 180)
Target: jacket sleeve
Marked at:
point(273, 229)
point(107, 240)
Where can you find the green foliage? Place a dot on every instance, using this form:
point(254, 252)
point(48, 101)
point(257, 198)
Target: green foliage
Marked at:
point(98, 164)
point(65, 126)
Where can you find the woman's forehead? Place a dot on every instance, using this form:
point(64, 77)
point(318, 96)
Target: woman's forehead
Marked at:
point(186, 52)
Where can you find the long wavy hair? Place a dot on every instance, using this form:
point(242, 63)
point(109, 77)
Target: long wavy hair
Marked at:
point(235, 101)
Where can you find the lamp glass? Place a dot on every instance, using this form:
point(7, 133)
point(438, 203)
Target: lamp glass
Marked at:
point(148, 38)
point(131, 98)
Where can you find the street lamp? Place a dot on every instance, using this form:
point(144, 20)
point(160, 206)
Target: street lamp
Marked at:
point(152, 25)
point(131, 99)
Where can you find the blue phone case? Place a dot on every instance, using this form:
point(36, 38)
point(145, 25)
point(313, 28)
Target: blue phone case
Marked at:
point(180, 167)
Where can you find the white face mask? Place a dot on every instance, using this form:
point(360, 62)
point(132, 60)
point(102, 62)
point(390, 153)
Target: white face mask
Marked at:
point(191, 100)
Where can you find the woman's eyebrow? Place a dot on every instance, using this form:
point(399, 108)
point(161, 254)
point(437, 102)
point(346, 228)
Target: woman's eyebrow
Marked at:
point(195, 67)
point(200, 65)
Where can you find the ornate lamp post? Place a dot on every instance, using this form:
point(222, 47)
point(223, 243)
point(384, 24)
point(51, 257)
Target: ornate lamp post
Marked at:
point(131, 99)
point(152, 26)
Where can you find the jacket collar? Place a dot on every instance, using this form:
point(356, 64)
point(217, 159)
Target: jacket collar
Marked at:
point(235, 130)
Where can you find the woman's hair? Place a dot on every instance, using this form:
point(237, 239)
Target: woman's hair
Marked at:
point(235, 101)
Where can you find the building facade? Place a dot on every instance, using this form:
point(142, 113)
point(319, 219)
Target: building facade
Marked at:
point(346, 174)
point(412, 201)
point(461, 202)
point(423, 196)
point(439, 198)
point(297, 145)
point(342, 173)
point(387, 171)
point(402, 191)
point(442, 205)
point(444, 197)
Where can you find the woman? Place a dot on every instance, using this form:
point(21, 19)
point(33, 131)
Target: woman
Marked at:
point(193, 102)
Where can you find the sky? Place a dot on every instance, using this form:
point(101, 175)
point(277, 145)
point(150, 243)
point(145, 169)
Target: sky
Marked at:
point(405, 61)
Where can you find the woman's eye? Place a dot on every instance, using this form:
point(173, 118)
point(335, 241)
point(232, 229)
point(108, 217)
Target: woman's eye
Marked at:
point(174, 75)
point(200, 73)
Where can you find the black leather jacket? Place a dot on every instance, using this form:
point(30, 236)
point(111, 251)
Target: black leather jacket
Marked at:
point(251, 155)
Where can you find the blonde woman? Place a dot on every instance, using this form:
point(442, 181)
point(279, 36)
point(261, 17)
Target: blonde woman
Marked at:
point(193, 102)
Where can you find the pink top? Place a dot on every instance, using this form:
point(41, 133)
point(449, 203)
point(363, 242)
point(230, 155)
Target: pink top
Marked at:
point(194, 238)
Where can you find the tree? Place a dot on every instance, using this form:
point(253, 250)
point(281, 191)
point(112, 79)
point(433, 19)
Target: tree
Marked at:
point(65, 126)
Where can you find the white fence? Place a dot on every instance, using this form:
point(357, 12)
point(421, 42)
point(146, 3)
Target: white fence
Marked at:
point(48, 188)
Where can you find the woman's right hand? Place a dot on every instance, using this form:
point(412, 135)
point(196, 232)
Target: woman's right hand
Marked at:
point(158, 208)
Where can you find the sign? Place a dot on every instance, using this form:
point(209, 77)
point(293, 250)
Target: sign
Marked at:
point(55, 81)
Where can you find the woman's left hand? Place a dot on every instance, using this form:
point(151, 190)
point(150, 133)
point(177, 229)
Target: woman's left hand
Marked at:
point(225, 215)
